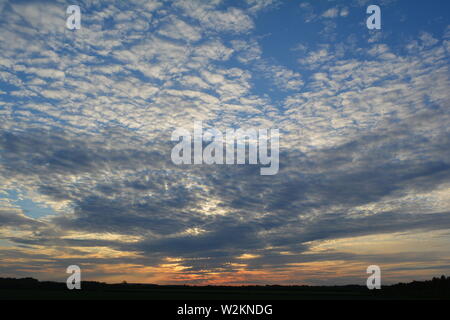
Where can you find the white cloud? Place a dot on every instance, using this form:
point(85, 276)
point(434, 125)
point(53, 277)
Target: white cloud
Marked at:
point(331, 13)
point(180, 30)
point(214, 50)
point(336, 12)
point(257, 5)
point(248, 50)
point(231, 20)
point(344, 12)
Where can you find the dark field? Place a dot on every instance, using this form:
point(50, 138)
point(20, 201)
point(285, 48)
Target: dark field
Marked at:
point(168, 293)
point(13, 289)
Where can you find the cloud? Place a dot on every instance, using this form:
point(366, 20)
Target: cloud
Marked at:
point(331, 13)
point(13, 217)
point(180, 30)
point(86, 120)
point(258, 5)
point(232, 20)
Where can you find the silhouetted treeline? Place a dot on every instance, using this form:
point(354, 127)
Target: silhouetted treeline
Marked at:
point(435, 288)
point(31, 283)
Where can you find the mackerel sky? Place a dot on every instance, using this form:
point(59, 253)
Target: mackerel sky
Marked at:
point(86, 118)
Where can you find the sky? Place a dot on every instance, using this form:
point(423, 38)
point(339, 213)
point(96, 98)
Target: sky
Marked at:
point(86, 118)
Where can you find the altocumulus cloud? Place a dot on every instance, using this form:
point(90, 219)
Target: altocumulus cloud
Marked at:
point(86, 119)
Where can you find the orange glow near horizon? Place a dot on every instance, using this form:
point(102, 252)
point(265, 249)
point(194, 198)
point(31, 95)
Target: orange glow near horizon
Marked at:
point(176, 270)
